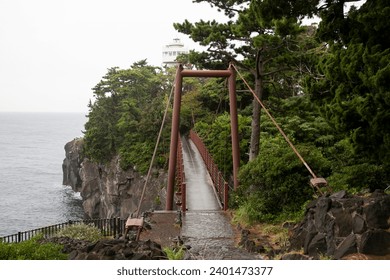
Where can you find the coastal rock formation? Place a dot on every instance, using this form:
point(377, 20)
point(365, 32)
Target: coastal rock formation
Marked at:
point(341, 225)
point(72, 164)
point(107, 190)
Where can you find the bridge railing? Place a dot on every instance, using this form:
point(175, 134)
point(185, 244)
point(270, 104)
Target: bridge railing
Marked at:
point(220, 185)
point(180, 178)
point(108, 227)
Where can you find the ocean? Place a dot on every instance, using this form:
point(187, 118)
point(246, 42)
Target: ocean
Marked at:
point(31, 155)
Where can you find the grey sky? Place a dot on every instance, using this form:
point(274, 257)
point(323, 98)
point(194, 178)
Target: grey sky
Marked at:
point(52, 52)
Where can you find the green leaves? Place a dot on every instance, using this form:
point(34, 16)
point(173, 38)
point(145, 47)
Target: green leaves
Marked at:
point(125, 118)
point(32, 249)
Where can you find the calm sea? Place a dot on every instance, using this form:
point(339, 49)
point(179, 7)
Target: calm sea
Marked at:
point(31, 155)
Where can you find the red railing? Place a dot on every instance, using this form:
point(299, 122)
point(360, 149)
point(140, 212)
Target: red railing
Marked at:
point(180, 178)
point(220, 185)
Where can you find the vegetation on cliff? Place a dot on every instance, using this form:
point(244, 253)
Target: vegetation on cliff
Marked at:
point(126, 115)
point(328, 88)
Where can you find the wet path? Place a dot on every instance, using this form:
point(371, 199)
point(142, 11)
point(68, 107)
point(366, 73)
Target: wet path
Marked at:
point(200, 193)
point(205, 228)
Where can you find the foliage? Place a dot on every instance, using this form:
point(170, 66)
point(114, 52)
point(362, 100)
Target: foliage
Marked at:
point(352, 90)
point(272, 180)
point(259, 38)
point(126, 116)
point(217, 138)
point(328, 88)
point(31, 250)
point(176, 253)
point(81, 232)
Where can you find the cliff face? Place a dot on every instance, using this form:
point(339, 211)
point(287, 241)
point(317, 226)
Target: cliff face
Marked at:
point(107, 190)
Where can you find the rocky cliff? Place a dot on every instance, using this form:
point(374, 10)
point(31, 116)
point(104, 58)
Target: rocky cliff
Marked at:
point(341, 225)
point(107, 190)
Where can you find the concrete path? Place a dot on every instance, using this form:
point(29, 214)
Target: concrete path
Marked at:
point(206, 229)
point(200, 190)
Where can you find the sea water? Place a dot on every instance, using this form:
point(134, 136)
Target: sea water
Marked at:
point(31, 155)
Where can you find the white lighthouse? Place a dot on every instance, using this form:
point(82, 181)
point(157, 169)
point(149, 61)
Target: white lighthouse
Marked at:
point(171, 51)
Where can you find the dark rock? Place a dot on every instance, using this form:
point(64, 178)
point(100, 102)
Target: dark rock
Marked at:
point(377, 213)
point(72, 164)
point(378, 193)
point(110, 249)
point(311, 233)
point(348, 246)
point(317, 246)
point(338, 195)
point(358, 224)
point(331, 240)
point(320, 216)
point(346, 226)
point(73, 255)
point(106, 189)
point(375, 242)
point(343, 223)
point(295, 256)
point(299, 236)
point(311, 204)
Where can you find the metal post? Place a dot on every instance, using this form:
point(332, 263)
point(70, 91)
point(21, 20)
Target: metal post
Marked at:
point(183, 197)
point(174, 138)
point(226, 196)
point(234, 125)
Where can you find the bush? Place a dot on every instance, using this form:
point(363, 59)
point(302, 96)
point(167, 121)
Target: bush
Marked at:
point(81, 232)
point(276, 183)
point(31, 250)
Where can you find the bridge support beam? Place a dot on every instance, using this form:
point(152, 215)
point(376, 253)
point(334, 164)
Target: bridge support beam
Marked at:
point(180, 73)
point(174, 138)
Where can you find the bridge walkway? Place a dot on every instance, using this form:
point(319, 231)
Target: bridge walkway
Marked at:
point(206, 229)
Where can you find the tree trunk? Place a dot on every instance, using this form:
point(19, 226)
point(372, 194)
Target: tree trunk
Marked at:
point(256, 113)
point(254, 148)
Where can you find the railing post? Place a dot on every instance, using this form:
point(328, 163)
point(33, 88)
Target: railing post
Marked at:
point(225, 196)
point(183, 197)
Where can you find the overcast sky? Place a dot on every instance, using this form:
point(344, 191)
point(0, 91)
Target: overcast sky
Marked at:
point(52, 52)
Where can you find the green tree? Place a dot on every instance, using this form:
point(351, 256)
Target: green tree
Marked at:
point(126, 116)
point(264, 46)
point(353, 88)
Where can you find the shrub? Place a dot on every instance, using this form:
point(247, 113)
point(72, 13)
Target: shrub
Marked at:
point(276, 182)
point(81, 232)
point(31, 250)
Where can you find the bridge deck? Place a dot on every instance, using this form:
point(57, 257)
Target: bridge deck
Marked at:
point(199, 186)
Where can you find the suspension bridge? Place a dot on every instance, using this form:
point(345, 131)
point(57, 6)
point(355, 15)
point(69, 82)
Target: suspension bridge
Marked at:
point(195, 185)
point(196, 188)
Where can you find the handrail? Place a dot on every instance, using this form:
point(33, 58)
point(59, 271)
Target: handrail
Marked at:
point(180, 177)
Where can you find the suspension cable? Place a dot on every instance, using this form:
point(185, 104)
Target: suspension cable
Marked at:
point(155, 151)
point(278, 127)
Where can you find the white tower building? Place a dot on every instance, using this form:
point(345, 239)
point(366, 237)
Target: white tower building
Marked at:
point(171, 51)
